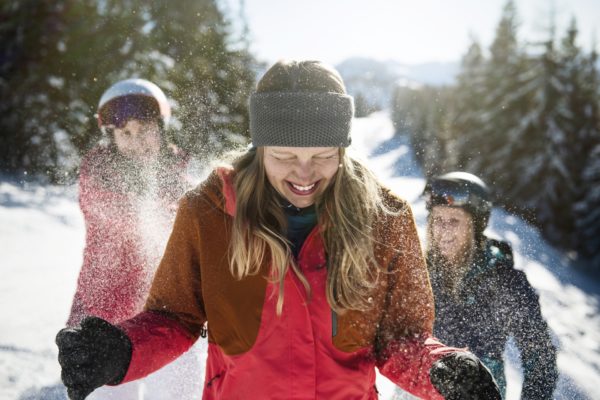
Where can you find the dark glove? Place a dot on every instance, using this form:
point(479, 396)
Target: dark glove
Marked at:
point(461, 376)
point(92, 355)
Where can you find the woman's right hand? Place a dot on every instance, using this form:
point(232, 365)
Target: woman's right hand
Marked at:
point(462, 376)
point(92, 355)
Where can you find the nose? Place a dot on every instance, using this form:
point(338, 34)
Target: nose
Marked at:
point(445, 225)
point(148, 138)
point(135, 132)
point(304, 171)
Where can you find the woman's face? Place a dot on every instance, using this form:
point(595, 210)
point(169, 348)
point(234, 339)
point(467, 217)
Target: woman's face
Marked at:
point(451, 231)
point(301, 174)
point(138, 140)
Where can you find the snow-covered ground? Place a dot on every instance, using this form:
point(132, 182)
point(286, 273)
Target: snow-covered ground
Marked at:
point(42, 238)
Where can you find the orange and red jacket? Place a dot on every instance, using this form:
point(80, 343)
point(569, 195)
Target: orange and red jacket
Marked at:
point(308, 351)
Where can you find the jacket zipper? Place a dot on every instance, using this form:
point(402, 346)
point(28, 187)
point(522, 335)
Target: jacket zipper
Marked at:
point(334, 323)
point(210, 382)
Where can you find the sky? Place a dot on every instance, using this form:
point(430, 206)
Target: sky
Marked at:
point(409, 32)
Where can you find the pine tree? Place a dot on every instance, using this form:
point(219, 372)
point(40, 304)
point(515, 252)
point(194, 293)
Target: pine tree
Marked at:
point(62, 55)
point(507, 84)
point(98, 47)
point(57, 57)
point(587, 209)
point(30, 43)
point(467, 108)
point(542, 155)
point(408, 118)
point(211, 75)
point(564, 185)
point(566, 110)
point(422, 114)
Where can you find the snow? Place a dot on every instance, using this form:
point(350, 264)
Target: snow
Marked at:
point(42, 236)
point(41, 232)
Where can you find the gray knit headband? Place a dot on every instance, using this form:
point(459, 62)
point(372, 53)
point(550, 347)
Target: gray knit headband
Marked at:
point(301, 119)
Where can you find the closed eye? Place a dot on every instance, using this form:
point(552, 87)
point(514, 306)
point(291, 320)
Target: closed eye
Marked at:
point(327, 157)
point(283, 158)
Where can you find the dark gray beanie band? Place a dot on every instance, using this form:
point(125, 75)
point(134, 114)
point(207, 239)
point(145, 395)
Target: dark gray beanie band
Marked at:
point(301, 119)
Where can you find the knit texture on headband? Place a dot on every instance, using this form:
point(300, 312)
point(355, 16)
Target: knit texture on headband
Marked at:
point(301, 119)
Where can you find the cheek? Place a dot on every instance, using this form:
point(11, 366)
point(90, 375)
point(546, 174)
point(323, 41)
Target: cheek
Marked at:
point(122, 144)
point(329, 172)
point(464, 237)
point(272, 179)
point(274, 173)
point(153, 139)
point(437, 233)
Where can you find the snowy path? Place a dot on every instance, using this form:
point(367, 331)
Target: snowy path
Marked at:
point(42, 236)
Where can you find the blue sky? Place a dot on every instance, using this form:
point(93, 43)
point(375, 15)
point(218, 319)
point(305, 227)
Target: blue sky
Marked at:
point(407, 31)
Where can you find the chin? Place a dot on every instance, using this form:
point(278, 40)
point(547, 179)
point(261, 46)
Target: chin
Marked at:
point(449, 258)
point(303, 204)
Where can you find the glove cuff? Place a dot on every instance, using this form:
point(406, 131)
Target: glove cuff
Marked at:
point(123, 357)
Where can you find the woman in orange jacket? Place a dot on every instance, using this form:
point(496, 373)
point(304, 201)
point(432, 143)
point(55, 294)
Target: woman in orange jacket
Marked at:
point(308, 273)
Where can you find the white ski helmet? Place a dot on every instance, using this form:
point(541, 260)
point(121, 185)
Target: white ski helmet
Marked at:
point(463, 190)
point(133, 99)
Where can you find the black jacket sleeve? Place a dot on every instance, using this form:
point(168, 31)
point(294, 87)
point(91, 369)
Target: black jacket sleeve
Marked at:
point(521, 306)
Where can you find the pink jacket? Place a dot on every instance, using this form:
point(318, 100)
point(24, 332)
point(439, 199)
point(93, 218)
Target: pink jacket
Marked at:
point(117, 265)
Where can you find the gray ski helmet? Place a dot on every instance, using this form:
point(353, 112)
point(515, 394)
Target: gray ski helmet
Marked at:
point(464, 190)
point(133, 99)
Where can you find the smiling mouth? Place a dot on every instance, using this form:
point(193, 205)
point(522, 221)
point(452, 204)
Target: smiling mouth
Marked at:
point(303, 190)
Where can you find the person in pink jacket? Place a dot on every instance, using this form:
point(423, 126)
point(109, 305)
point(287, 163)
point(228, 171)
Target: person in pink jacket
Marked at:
point(129, 186)
point(128, 190)
point(305, 272)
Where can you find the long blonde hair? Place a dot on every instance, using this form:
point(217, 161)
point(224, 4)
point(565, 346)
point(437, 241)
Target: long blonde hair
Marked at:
point(346, 211)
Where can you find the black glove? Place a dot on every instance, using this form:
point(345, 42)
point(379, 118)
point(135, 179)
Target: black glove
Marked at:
point(461, 376)
point(92, 355)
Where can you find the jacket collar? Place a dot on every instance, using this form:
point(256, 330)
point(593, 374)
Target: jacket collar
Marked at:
point(228, 190)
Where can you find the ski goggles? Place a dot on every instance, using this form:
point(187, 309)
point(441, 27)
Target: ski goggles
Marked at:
point(122, 109)
point(452, 194)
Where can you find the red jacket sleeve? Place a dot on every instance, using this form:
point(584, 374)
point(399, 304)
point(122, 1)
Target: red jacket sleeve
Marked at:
point(407, 349)
point(407, 363)
point(156, 341)
point(174, 313)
